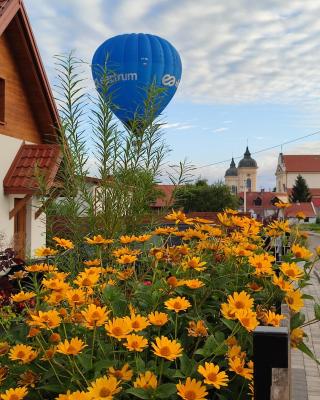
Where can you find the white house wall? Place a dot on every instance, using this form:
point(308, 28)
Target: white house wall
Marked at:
point(35, 228)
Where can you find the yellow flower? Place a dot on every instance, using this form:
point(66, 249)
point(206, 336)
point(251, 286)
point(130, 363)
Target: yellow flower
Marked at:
point(55, 284)
point(165, 230)
point(22, 296)
point(280, 204)
point(296, 337)
point(300, 215)
point(280, 226)
point(177, 304)
point(40, 268)
point(123, 374)
point(75, 297)
point(92, 263)
point(292, 271)
point(261, 263)
point(45, 319)
point(138, 323)
point(301, 252)
point(146, 381)
point(166, 348)
point(86, 280)
point(28, 378)
point(64, 243)
point(240, 301)
point(237, 365)
point(294, 300)
point(231, 211)
point(282, 283)
point(14, 394)
point(177, 217)
point(143, 238)
point(94, 316)
point(3, 374)
point(135, 342)
point(72, 347)
point(212, 375)
point(254, 286)
point(235, 351)
point(224, 219)
point(4, 348)
point(21, 352)
point(74, 396)
point(104, 388)
point(125, 274)
point(248, 319)
point(195, 263)
point(45, 252)
point(174, 282)
point(193, 283)
point(98, 239)
point(271, 318)
point(118, 328)
point(158, 318)
point(227, 311)
point(191, 390)
point(126, 259)
point(125, 239)
point(197, 329)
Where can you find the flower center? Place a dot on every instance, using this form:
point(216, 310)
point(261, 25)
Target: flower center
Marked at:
point(239, 304)
point(21, 354)
point(104, 392)
point(95, 315)
point(71, 349)
point(190, 395)
point(14, 397)
point(165, 351)
point(75, 297)
point(135, 324)
point(177, 305)
point(212, 376)
point(86, 282)
point(117, 331)
point(135, 344)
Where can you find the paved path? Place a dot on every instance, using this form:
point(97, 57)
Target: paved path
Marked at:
point(305, 372)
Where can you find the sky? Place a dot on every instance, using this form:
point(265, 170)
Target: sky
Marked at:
point(251, 70)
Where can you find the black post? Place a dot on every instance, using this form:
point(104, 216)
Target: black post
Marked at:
point(270, 350)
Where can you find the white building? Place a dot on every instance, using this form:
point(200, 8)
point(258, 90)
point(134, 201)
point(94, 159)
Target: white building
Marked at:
point(28, 135)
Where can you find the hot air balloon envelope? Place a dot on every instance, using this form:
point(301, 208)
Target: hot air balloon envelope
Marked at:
point(131, 63)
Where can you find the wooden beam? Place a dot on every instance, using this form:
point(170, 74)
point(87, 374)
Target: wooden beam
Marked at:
point(19, 206)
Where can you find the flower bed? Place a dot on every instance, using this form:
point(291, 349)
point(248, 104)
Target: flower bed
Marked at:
point(143, 319)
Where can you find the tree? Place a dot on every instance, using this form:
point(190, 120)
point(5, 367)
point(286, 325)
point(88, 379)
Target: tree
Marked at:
point(300, 191)
point(203, 197)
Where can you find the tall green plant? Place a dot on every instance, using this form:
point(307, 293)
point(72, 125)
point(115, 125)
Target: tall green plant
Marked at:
point(128, 162)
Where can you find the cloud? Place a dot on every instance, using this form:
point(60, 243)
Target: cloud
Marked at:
point(232, 51)
point(178, 126)
point(219, 130)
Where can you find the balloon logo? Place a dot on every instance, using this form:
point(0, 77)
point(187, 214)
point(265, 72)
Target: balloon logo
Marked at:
point(131, 63)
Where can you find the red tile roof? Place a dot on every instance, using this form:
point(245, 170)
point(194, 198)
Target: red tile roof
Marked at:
point(266, 199)
point(302, 163)
point(306, 208)
point(167, 199)
point(20, 177)
point(316, 202)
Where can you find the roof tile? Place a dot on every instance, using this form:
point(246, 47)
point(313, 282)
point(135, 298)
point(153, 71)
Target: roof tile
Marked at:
point(21, 178)
point(302, 163)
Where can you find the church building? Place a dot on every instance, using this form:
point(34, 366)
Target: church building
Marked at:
point(245, 175)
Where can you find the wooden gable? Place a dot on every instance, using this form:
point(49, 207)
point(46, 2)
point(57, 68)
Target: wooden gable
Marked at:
point(30, 111)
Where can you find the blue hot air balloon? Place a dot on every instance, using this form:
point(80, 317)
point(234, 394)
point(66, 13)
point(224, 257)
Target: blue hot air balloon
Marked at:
point(131, 63)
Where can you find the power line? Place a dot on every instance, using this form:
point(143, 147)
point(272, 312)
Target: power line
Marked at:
point(262, 150)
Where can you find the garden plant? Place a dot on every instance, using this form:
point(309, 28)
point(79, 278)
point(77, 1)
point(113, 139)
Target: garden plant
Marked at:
point(167, 314)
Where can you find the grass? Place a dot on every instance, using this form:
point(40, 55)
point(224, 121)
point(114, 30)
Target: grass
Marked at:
point(310, 227)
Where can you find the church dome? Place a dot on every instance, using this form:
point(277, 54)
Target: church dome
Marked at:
point(247, 161)
point(232, 171)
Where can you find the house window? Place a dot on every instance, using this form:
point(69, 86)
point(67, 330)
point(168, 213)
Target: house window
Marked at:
point(2, 99)
point(234, 189)
point(248, 184)
point(257, 201)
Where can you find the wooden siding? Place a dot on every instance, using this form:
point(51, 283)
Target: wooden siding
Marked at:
point(19, 119)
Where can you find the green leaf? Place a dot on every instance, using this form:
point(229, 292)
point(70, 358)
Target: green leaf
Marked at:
point(85, 361)
point(166, 390)
point(140, 393)
point(307, 296)
point(102, 364)
point(229, 323)
point(297, 320)
point(51, 388)
point(186, 365)
point(305, 349)
point(317, 311)
point(140, 364)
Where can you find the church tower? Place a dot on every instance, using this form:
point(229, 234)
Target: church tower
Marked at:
point(247, 173)
point(231, 177)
